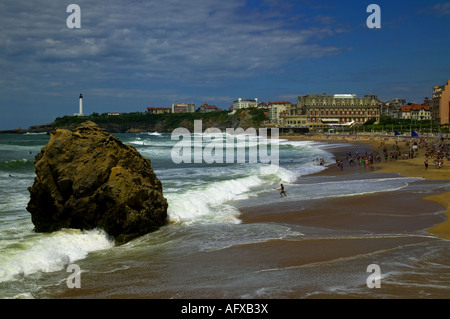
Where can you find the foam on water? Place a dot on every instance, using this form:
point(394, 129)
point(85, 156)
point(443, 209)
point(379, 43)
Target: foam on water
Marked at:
point(154, 133)
point(278, 174)
point(229, 236)
point(199, 193)
point(351, 187)
point(209, 203)
point(49, 252)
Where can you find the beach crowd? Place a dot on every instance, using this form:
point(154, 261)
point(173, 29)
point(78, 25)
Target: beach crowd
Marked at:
point(404, 149)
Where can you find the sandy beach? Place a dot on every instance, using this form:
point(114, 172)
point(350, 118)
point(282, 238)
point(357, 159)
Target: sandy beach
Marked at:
point(399, 161)
point(407, 212)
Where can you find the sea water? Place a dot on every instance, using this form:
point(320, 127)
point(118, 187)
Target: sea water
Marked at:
point(204, 202)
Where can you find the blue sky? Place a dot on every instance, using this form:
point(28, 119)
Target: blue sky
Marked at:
point(132, 54)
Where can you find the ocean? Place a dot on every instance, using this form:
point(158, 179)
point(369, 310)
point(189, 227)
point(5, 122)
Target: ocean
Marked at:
point(206, 251)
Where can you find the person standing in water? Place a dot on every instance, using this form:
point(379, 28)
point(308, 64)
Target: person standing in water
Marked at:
point(282, 191)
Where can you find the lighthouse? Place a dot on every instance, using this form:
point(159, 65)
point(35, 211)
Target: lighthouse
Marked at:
point(81, 106)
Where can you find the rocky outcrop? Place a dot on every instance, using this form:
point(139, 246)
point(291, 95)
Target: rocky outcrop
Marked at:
point(87, 178)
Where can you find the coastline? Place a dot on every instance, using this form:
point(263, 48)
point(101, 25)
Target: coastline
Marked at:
point(403, 165)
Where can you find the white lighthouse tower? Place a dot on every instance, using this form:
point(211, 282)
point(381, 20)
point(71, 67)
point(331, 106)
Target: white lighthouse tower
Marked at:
point(81, 107)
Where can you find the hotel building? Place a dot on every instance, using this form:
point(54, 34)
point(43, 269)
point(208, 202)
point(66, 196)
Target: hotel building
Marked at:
point(341, 109)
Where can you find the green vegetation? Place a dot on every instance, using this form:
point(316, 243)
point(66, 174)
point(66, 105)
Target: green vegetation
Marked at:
point(258, 116)
point(390, 124)
point(166, 122)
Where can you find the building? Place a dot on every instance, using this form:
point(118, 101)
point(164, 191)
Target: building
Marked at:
point(244, 104)
point(441, 104)
point(158, 110)
point(392, 107)
point(295, 120)
point(294, 124)
point(396, 102)
point(277, 108)
point(339, 109)
point(114, 113)
point(205, 108)
point(417, 112)
point(183, 108)
point(264, 105)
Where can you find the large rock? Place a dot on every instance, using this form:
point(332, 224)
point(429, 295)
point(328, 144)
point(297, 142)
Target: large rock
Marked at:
point(87, 178)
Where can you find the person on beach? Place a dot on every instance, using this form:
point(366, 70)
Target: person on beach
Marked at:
point(282, 191)
point(426, 164)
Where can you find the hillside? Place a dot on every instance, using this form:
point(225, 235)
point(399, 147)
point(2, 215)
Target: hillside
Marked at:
point(163, 123)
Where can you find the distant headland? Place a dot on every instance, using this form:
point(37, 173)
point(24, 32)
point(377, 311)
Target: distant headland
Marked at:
point(137, 122)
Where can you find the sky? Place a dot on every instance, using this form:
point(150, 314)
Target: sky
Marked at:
point(129, 55)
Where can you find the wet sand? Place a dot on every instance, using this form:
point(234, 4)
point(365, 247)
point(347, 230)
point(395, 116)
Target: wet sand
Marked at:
point(403, 165)
point(420, 219)
point(443, 229)
point(395, 211)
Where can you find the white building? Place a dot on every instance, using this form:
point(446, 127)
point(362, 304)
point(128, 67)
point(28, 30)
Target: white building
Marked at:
point(244, 103)
point(276, 108)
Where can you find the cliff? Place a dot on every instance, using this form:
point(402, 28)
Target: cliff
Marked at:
point(86, 179)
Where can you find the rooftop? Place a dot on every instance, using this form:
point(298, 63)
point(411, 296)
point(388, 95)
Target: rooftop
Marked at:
point(414, 107)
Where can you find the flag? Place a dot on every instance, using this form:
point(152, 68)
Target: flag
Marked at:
point(414, 134)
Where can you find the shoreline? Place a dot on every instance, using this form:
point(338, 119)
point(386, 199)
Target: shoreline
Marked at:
point(403, 165)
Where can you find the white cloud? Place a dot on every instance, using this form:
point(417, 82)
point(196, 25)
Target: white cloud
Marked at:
point(441, 9)
point(164, 40)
